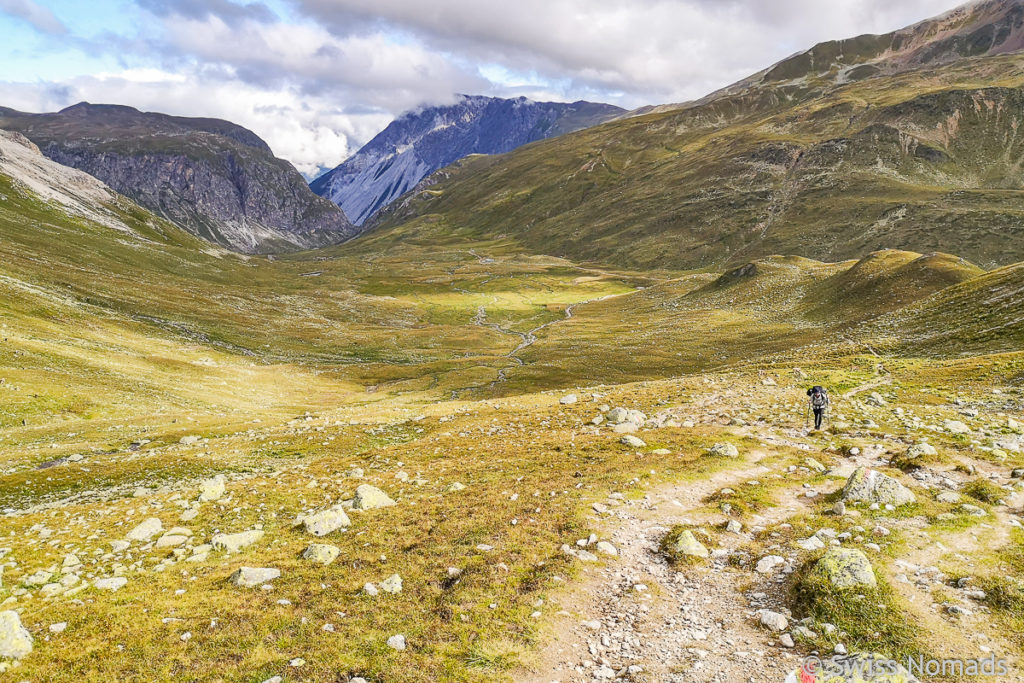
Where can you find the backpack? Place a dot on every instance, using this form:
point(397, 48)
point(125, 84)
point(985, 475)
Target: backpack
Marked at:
point(819, 397)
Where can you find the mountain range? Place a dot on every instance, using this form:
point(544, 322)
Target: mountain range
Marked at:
point(909, 140)
point(423, 141)
point(216, 179)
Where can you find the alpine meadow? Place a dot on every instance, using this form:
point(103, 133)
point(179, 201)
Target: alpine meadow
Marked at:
point(522, 390)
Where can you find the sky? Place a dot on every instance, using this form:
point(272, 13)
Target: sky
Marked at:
point(317, 79)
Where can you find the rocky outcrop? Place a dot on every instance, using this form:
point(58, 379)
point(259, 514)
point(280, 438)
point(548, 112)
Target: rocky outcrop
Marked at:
point(421, 142)
point(215, 179)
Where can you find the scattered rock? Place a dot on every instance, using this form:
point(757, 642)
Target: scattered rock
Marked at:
point(232, 543)
point(212, 489)
point(321, 553)
point(569, 400)
point(326, 521)
point(455, 487)
point(681, 544)
point(773, 620)
point(845, 568)
point(724, 450)
point(871, 486)
point(767, 564)
point(15, 640)
point(392, 584)
point(112, 584)
point(955, 427)
point(370, 498)
point(616, 416)
point(145, 531)
point(250, 577)
point(607, 548)
point(397, 642)
point(633, 442)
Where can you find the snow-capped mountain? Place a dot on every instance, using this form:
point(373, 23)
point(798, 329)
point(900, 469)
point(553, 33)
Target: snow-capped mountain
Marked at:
point(420, 142)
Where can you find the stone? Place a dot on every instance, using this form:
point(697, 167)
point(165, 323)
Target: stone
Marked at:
point(607, 548)
point(320, 553)
point(786, 641)
point(948, 497)
point(767, 564)
point(59, 627)
point(146, 530)
point(212, 489)
point(724, 450)
point(811, 544)
point(326, 521)
point(633, 442)
point(733, 526)
point(112, 584)
point(845, 568)
point(871, 486)
point(920, 449)
point(171, 541)
point(120, 546)
point(685, 544)
point(250, 577)
point(455, 487)
point(814, 465)
point(616, 416)
point(773, 620)
point(232, 543)
point(972, 510)
point(190, 440)
point(370, 498)
point(15, 640)
point(569, 399)
point(392, 584)
point(397, 642)
point(370, 589)
point(955, 427)
point(876, 399)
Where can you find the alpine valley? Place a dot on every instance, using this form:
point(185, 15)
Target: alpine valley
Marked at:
point(518, 392)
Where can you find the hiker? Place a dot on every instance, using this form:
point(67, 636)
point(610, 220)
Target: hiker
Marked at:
point(819, 403)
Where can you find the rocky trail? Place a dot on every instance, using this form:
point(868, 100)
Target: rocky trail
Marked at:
point(641, 618)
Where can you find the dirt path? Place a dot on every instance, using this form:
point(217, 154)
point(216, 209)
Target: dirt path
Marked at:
point(676, 626)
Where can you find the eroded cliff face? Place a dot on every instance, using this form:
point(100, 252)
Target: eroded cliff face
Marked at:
point(214, 179)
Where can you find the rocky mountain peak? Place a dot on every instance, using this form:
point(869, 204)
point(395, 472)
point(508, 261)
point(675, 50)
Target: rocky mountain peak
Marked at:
point(424, 140)
point(212, 177)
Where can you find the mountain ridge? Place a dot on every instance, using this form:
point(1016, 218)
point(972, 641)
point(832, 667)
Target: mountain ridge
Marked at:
point(424, 140)
point(921, 159)
point(214, 178)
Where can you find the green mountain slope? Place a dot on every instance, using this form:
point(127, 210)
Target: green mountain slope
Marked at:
point(924, 159)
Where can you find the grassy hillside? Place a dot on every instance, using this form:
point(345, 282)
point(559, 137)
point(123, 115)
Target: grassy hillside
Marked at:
point(138, 361)
point(921, 161)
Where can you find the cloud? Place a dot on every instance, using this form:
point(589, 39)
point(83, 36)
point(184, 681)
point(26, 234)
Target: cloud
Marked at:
point(226, 11)
point(38, 16)
point(318, 78)
point(644, 49)
point(313, 133)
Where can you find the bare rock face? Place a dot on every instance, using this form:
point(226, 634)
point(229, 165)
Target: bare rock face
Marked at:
point(215, 179)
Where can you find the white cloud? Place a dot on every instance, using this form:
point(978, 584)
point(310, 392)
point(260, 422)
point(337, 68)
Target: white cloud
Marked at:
point(38, 16)
point(646, 49)
point(319, 82)
point(313, 133)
